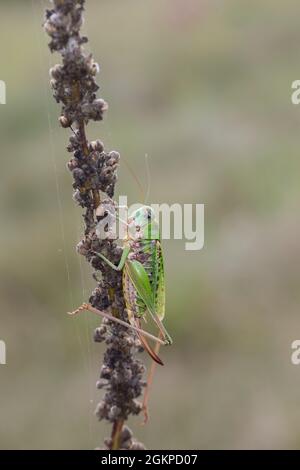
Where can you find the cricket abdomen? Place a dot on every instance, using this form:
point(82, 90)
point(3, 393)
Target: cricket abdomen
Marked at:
point(133, 302)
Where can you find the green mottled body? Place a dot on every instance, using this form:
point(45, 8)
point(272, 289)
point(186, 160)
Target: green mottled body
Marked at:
point(149, 254)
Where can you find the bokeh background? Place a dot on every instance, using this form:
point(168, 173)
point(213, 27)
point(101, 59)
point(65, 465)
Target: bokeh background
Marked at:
point(203, 87)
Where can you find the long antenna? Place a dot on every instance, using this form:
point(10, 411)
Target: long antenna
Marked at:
point(135, 177)
point(145, 195)
point(148, 179)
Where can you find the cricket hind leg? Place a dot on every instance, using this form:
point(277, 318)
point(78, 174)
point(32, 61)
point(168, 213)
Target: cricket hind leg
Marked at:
point(145, 344)
point(149, 383)
point(150, 351)
point(92, 309)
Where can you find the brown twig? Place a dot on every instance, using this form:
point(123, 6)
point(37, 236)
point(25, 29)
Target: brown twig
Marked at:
point(116, 434)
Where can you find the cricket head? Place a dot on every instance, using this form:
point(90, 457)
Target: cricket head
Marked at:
point(142, 224)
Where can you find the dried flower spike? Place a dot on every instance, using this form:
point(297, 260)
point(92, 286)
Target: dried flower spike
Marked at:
point(94, 171)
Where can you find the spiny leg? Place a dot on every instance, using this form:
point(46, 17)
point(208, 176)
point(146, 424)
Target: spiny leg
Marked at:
point(92, 309)
point(149, 349)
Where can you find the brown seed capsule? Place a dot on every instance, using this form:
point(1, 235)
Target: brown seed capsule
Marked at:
point(137, 446)
point(101, 410)
point(101, 104)
point(114, 412)
point(126, 434)
point(95, 68)
point(108, 442)
point(101, 384)
point(114, 156)
point(97, 146)
point(105, 372)
point(53, 84)
point(49, 28)
point(136, 407)
point(83, 249)
point(72, 164)
point(56, 72)
point(64, 121)
point(98, 337)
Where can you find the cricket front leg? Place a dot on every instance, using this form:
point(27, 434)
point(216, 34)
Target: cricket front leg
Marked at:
point(120, 266)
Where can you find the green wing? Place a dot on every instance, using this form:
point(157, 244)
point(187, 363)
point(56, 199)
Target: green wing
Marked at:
point(141, 282)
point(159, 291)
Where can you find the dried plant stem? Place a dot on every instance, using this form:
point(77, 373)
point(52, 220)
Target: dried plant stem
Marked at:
point(116, 434)
point(94, 173)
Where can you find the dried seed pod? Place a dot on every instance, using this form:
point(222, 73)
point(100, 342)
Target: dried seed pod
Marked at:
point(56, 72)
point(137, 446)
point(72, 164)
point(97, 146)
point(64, 122)
point(95, 69)
point(126, 434)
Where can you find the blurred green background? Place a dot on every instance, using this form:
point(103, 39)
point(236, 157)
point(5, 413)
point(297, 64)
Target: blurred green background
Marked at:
point(203, 87)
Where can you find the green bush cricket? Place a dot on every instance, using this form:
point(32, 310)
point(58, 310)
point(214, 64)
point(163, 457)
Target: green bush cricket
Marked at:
point(143, 279)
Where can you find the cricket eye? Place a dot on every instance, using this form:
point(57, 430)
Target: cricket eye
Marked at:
point(138, 228)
